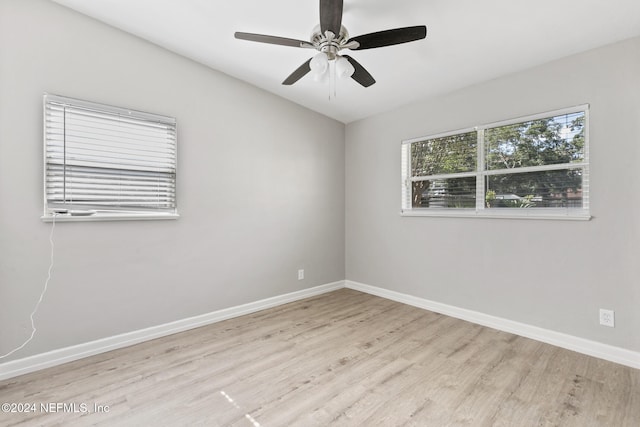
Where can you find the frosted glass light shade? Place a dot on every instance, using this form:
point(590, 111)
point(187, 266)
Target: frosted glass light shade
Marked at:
point(319, 63)
point(344, 67)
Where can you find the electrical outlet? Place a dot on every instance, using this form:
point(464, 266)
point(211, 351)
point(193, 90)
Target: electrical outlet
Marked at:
point(607, 318)
point(300, 274)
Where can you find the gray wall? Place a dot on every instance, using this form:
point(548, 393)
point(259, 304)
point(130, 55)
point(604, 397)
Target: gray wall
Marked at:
point(260, 188)
point(552, 274)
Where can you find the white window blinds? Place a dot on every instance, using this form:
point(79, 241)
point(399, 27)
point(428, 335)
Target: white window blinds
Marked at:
point(103, 159)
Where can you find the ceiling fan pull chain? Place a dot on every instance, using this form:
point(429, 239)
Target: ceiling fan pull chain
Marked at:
point(332, 79)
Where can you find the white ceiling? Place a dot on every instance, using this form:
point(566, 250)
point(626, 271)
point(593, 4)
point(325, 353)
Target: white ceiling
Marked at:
point(468, 41)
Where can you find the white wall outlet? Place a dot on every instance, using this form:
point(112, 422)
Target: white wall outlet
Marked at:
point(607, 318)
point(300, 274)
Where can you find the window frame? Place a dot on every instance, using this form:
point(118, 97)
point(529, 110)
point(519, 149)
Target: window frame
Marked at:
point(54, 213)
point(481, 173)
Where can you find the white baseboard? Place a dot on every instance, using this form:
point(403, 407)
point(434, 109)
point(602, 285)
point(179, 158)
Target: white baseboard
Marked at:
point(69, 354)
point(580, 345)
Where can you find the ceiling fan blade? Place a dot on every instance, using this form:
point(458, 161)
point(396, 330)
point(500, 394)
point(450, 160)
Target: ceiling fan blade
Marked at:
point(361, 75)
point(389, 37)
point(261, 38)
point(300, 72)
point(331, 16)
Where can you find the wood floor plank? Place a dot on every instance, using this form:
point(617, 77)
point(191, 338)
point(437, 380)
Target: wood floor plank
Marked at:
point(340, 359)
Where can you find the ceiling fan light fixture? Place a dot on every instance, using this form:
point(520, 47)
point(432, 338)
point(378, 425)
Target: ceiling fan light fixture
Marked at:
point(319, 64)
point(344, 67)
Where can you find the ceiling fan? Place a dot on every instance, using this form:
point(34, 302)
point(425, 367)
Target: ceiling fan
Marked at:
point(330, 37)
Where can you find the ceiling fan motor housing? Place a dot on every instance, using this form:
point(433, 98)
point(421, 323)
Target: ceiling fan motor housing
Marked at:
point(328, 42)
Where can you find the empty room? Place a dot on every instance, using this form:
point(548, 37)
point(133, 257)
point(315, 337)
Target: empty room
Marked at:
point(319, 213)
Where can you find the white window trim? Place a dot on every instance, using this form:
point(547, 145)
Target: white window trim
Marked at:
point(576, 214)
point(52, 214)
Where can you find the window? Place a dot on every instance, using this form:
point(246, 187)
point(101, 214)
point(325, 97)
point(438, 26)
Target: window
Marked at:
point(103, 162)
point(535, 167)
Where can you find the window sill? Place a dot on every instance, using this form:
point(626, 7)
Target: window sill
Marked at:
point(103, 216)
point(553, 214)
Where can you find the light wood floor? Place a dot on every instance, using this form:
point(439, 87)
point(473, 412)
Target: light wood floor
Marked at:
point(344, 359)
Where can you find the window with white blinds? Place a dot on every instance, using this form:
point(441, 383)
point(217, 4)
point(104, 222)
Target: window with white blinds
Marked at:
point(536, 166)
point(109, 162)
